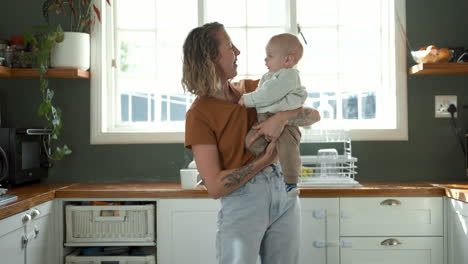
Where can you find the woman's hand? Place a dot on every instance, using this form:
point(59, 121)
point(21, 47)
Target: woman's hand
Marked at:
point(271, 128)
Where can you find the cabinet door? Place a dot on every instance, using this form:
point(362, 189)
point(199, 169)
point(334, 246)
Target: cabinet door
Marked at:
point(11, 239)
point(319, 231)
point(391, 216)
point(401, 250)
point(457, 231)
point(41, 233)
point(186, 230)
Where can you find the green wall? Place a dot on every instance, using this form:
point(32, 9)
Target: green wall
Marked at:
point(431, 153)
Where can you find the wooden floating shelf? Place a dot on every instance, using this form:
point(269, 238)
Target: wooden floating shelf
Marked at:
point(446, 68)
point(6, 72)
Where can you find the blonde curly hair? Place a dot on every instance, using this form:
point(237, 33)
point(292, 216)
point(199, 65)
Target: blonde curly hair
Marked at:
point(200, 51)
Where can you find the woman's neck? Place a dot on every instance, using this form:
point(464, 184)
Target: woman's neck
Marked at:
point(226, 94)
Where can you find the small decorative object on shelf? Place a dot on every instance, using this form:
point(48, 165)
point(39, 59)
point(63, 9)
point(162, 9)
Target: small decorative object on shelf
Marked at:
point(330, 167)
point(74, 50)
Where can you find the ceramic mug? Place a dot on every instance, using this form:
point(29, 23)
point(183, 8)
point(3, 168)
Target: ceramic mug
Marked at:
point(188, 178)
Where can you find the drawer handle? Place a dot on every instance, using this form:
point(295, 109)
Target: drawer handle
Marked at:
point(390, 202)
point(109, 216)
point(390, 242)
point(110, 219)
point(320, 244)
point(26, 218)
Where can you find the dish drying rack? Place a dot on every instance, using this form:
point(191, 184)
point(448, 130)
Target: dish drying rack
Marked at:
point(328, 171)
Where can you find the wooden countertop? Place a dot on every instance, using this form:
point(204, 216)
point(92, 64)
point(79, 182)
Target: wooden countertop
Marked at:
point(29, 196)
point(165, 190)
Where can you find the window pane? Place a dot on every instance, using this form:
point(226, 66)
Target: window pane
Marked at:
point(360, 12)
point(350, 106)
point(317, 12)
point(169, 59)
point(257, 41)
point(226, 12)
point(266, 13)
point(360, 50)
point(139, 108)
point(327, 106)
point(164, 107)
point(368, 105)
point(130, 14)
point(176, 14)
point(321, 52)
point(319, 83)
point(344, 68)
point(178, 108)
point(124, 101)
point(137, 52)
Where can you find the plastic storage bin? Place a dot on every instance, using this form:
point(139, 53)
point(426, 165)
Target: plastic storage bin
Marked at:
point(76, 258)
point(110, 223)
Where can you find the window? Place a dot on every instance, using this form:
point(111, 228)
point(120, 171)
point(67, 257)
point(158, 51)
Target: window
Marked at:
point(353, 67)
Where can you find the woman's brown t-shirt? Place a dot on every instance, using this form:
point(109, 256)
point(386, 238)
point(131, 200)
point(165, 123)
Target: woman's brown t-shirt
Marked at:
point(224, 124)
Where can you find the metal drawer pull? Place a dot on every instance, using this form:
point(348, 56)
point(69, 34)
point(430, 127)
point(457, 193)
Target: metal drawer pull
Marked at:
point(391, 202)
point(319, 214)
point(26, 218)
point(320, 244)
point(390, 242)
point(36, 231)
point(35, 213)
point(24, 241)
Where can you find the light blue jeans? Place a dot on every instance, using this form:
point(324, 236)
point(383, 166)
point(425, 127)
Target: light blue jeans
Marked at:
point(259, 219)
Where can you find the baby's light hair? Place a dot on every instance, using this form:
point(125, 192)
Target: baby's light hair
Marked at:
point(290, 44)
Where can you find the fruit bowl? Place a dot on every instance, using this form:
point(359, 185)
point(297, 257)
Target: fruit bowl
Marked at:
point(432, 54)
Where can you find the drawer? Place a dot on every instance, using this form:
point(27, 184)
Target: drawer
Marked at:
point(386, 250)
point(110, 223)
point(391, 216)
point(76, 258)
point(19, 220)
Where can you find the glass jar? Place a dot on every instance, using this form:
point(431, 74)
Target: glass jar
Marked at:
point(8, 56)
point(17, 57)
point(2, 50)
point(328, 162)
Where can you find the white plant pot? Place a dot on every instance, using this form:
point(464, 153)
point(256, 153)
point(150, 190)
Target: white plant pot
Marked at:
point(72, 52)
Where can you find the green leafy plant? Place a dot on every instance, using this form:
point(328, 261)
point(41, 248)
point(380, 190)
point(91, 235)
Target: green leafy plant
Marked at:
point(82, 13)
point(42, 43)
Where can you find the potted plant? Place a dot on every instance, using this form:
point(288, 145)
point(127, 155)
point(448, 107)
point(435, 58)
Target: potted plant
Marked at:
point(74, 51)
point(42, 43)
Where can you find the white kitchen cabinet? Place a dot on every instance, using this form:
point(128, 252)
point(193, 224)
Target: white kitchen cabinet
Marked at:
point(392, 230)
point(391, 250)
point(457, 231)
point(29, 236)
point(320, 232)
point(12, 231)
point(391, 216)
point(187, 230)
point(107, 224)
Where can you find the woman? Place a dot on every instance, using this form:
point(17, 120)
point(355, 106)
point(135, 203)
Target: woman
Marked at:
point(256, 216)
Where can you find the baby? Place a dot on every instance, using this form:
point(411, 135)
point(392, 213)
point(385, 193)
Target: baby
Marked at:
point(280, 89)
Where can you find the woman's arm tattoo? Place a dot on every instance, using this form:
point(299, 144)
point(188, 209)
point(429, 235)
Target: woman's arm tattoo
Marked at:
point(236, 177)
point(305, 117)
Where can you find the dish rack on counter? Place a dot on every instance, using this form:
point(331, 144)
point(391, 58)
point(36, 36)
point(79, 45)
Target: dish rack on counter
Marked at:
point(329, 171)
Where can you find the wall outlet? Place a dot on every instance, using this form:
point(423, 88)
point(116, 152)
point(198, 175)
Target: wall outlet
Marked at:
point(442, 103)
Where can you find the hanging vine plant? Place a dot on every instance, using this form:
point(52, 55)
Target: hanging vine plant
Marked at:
point(42, 43)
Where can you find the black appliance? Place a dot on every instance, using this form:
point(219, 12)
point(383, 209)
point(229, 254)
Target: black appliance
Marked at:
point(22, 155)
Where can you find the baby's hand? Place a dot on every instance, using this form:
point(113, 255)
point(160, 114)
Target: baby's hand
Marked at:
point(241, 101)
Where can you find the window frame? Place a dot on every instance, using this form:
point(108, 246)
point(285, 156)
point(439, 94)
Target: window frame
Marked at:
point(101, 66)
